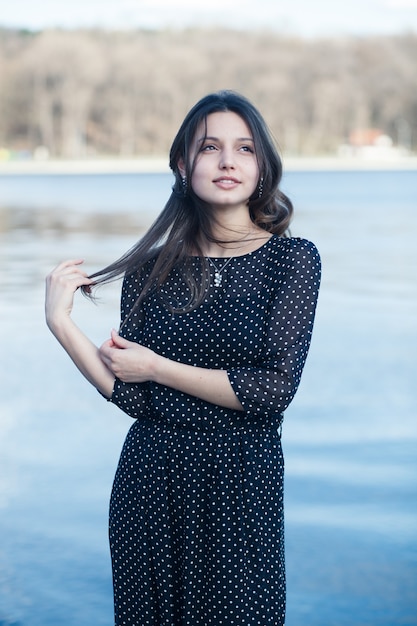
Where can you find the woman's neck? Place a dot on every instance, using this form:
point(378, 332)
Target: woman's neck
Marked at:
point(234, 241)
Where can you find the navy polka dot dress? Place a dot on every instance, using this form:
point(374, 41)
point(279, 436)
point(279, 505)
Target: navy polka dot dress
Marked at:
point(196, 514)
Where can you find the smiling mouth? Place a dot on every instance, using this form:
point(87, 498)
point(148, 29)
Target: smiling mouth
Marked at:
point(226, 181)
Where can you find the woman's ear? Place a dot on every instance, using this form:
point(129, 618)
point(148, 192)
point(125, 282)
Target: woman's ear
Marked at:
point(181, 167)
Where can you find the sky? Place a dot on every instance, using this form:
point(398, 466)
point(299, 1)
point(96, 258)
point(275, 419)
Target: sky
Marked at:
point(306, 18)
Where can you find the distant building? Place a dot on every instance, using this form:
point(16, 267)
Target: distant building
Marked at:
point(370, 143)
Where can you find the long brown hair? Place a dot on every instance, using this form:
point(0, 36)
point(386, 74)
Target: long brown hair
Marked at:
point(186, 220)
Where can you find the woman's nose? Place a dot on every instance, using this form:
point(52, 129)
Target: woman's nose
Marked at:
point(226, 160)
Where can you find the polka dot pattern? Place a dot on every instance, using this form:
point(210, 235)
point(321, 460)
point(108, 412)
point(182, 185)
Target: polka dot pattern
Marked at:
point(196, 514)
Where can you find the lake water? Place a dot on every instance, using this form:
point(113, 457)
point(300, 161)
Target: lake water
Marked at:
point(350, 436)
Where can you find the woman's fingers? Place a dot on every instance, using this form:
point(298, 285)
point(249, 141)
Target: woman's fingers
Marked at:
point(70, 270)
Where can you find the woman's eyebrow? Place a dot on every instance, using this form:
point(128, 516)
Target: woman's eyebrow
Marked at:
point(208, 137)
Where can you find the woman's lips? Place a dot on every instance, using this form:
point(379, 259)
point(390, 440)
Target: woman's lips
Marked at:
point(226, 181)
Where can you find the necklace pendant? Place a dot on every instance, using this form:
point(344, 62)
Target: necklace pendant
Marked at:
point(217, 279)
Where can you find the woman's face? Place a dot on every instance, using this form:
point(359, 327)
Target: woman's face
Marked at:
point(226, 171)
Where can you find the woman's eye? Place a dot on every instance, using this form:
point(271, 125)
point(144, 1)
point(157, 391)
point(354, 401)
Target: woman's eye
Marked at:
point(208, 148)
point(247, 149)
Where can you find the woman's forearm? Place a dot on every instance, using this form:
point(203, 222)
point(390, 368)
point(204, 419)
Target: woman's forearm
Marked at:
point(133, 363)
point(208, 385)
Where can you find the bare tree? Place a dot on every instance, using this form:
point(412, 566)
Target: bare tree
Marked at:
point(96, 92)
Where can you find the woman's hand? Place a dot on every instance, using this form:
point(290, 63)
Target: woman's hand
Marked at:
point(128, 361)
point(61, 284)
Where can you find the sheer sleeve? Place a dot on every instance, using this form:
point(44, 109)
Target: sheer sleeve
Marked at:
point(132, 398)
point(270, 385)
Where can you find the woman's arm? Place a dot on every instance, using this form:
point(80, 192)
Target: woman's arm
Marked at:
point(133, 363)
point(61, 285)
point(270, 384)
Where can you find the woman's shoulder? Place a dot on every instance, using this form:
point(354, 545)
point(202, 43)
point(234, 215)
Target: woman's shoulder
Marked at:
point(295, 254)
point(293, 246)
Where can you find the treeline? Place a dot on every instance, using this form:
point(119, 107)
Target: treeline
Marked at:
point(81, 93)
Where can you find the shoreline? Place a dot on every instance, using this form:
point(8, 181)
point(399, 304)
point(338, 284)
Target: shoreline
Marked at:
point(159, 165)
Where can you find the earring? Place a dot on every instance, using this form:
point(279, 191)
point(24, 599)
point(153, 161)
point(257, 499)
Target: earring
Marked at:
point(260, 187)
point(184, 185)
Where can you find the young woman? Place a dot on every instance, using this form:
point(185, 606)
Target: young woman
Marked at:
point(217, 311)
